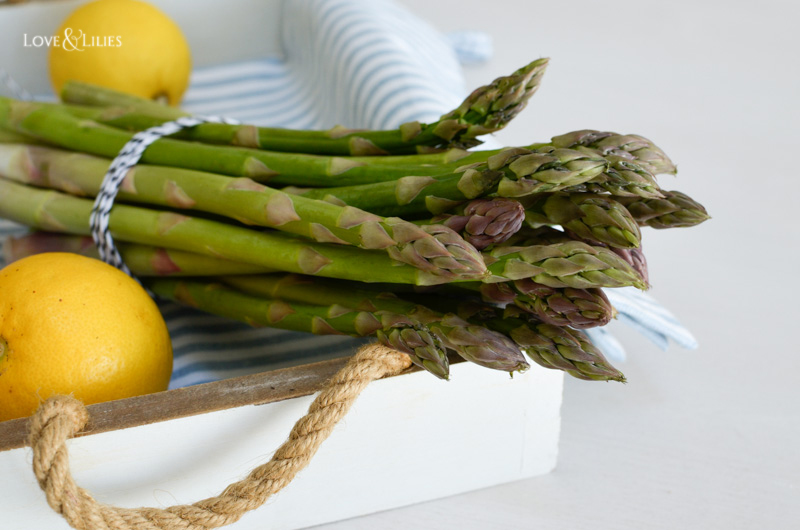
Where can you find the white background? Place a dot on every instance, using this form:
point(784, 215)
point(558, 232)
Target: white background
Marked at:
point(697, 439)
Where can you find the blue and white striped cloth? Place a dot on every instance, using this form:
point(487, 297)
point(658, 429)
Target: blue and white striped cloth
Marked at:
point(359, 63)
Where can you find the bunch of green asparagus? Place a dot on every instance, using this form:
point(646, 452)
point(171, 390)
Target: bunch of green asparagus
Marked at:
point(403, 235)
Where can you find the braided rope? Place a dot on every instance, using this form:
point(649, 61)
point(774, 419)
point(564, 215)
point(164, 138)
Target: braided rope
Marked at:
point(61, 417)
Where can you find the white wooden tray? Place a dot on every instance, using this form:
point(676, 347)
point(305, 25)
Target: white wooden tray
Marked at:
point(408, 439)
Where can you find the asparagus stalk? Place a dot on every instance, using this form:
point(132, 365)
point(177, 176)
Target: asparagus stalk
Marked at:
point(511, 173)
point(543, 169)
point(632, 161)
point(484, 222)
point(435, 248)
point(53, 124)
point(550, 346)
point(578, 308)
point(411, 195)
point(636, 259)
point(312, 290)
point(559, 348)
point(633, 148)
point(627, 146)
point(393, 330)
point(590, 216)
point(624, 178)
point(9, 137)
point(675, 210)
point(557, 168)
point(395, 184)
point(54, 211)
point(486, 110)
point(562, 264)
point(142, 260)
point(625, 175)
point(474, 343)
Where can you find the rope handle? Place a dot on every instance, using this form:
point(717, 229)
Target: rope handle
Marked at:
point(61, 417)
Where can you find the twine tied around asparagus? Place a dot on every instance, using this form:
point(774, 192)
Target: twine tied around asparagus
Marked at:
point(61, 417)
point(127, 158)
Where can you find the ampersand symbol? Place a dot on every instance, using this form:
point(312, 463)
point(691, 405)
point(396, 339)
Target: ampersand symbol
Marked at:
point(70, 42)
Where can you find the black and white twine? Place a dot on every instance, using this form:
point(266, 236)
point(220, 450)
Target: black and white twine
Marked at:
point(127, 158)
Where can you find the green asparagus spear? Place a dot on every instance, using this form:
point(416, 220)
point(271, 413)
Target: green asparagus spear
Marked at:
point(632, 162)
point(624, 178)
point(563, 264)
point(142, 260)
point(578, 308)
point(550, 346)
point(511, 173)
point(9, 137)
point(54, 125)
point(393, 330)
point(675, 210)
point(435, 249)
point(634, 257)
point(543, 169)
point(556, 347)
point(555, 168)
point(487, 110)
point(411, 195)
point(632, 148)
point(590, 216)
point(628, 146)
point(471, 342)
point(53, 211)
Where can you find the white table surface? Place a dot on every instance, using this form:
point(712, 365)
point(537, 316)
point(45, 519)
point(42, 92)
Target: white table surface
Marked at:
point(697, 439)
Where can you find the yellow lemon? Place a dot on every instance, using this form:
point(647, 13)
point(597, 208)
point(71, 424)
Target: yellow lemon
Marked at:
point(126, 45)
point(75, 325)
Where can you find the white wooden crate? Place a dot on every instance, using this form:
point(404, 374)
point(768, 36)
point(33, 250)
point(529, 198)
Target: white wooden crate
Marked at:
point(408, 439)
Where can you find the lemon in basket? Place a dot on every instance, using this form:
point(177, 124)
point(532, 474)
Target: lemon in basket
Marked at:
point(126, 45)
point(75, 325)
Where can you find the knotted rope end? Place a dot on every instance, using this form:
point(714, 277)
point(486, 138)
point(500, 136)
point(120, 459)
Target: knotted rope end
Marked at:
point(67, 408)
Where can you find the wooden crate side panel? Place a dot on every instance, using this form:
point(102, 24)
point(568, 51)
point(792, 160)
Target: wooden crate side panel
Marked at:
point(407, 439)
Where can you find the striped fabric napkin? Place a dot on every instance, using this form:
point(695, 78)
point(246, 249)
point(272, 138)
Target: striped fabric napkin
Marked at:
point(360, 63)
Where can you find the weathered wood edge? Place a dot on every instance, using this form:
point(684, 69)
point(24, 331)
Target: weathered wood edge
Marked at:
point(255, 389)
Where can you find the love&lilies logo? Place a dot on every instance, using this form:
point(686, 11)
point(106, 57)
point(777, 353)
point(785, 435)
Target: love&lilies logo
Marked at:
point(72, 41)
